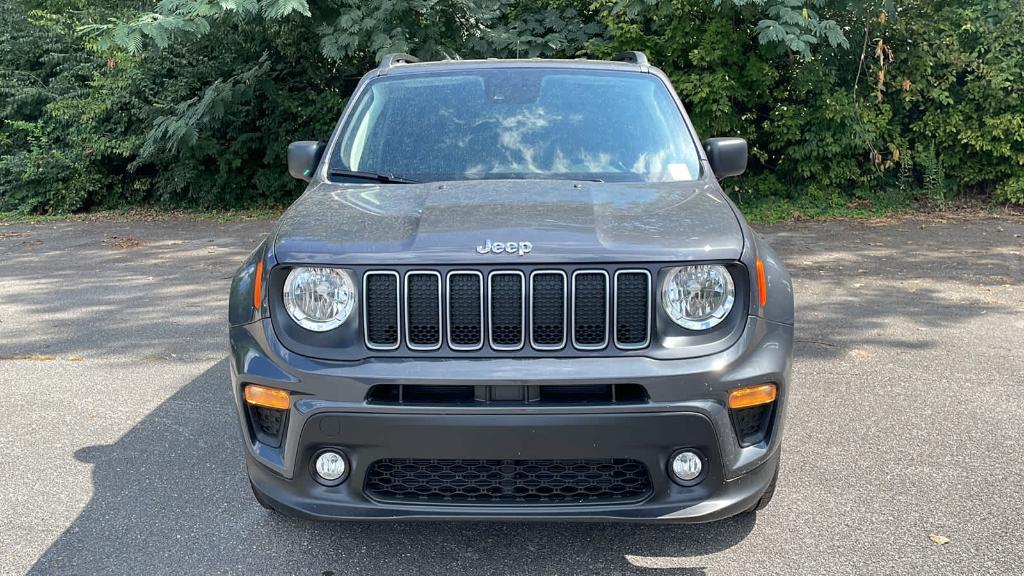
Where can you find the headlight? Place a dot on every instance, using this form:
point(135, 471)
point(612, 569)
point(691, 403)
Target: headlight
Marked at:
point(319, 299)
point(698, 297)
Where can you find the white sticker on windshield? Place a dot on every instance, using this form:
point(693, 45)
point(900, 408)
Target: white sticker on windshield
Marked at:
point(679, 172)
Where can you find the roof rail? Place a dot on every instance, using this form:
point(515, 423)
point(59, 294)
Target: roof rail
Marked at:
point(390, 60)
point(633, 57)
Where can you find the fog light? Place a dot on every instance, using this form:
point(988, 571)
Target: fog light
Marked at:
point(331, 466)
point(686, 465)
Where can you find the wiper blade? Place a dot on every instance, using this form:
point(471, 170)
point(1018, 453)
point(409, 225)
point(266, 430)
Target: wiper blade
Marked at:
point(383, 178)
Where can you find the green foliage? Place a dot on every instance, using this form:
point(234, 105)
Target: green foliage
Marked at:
point(67, 131)
point(825, 114)
point(965, 66)
point(933, 174)
point(1011, 191)
point(131, 35)
point(191, 103)
point(794, 25)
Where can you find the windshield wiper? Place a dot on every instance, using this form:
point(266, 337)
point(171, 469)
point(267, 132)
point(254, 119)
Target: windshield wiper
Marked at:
point(382, 178)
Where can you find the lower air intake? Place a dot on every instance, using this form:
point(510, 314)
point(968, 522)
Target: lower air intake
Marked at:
point(267, 424)
point(752, 423)
point(496, 482)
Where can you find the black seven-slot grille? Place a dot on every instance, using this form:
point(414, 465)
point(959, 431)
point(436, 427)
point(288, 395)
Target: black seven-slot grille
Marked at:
point(507, 310)
point(490, 482)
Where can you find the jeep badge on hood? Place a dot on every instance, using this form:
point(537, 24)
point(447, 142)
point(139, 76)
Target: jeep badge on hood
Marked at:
point(521, 248)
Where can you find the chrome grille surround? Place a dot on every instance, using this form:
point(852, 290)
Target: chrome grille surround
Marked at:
point(575, 301)
point(406, 308)
point(522, 309)
point(615, 310)
point(473, 316)
point(565, 309)
point(448, 310)
point(366, 305)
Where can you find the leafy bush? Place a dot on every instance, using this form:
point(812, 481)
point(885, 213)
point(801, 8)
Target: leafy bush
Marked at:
point(1011, 191)
point(104, 103)
point(942, 78)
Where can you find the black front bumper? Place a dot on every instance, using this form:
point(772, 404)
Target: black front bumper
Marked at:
point(648, 437)
point(685, 408)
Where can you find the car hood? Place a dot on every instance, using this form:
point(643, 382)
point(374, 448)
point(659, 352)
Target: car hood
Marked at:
point(431, 223)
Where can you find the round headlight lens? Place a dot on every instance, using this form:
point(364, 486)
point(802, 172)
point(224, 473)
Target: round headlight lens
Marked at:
point(698, 297)
point(319, 299)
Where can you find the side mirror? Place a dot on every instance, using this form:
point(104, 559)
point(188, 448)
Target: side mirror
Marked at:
point(728, 156)
point(303, 158)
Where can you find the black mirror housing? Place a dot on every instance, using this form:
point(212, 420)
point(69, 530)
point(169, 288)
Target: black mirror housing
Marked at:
point(728, 156)
point(303, 158)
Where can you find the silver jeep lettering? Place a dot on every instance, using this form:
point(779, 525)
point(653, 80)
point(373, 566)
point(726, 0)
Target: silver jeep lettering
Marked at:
point(521, 248)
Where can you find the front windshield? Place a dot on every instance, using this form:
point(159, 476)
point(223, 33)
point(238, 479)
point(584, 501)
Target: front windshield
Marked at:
point(518, 123)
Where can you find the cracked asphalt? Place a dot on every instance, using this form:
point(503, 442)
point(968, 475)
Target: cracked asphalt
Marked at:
point(121, 453)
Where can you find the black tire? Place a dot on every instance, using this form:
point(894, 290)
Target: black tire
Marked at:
point(260, 499)
point(769, 492)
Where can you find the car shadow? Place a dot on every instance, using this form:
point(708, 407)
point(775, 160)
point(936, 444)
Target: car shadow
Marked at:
point(171, 495)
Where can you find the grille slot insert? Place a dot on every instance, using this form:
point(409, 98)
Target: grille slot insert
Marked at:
point(549, 293)
point(423, 310)
point(506, 300)
point(505, 482)
point(590, 309)
point(632, 309)
point(465, 310)
point(380, 310)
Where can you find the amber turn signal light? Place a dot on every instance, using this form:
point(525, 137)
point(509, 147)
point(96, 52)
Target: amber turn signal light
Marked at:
point(267, 397)
point(752, 396)
point(762, 284)
point(257, 289)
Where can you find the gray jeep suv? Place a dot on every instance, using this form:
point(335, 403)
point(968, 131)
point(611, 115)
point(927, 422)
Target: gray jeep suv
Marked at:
point(513, 289)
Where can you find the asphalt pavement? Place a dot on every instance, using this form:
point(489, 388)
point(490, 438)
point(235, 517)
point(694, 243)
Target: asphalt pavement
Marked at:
point(121, 452)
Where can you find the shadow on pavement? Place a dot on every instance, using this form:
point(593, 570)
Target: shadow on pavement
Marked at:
point(867, 284)
point(120, 291)
point(172, 496)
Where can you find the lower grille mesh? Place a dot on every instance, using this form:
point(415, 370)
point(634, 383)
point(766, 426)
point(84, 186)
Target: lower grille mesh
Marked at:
point(490, 482)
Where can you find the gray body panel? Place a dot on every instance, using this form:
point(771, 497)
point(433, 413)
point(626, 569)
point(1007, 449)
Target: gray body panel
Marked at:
point(352, 224)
